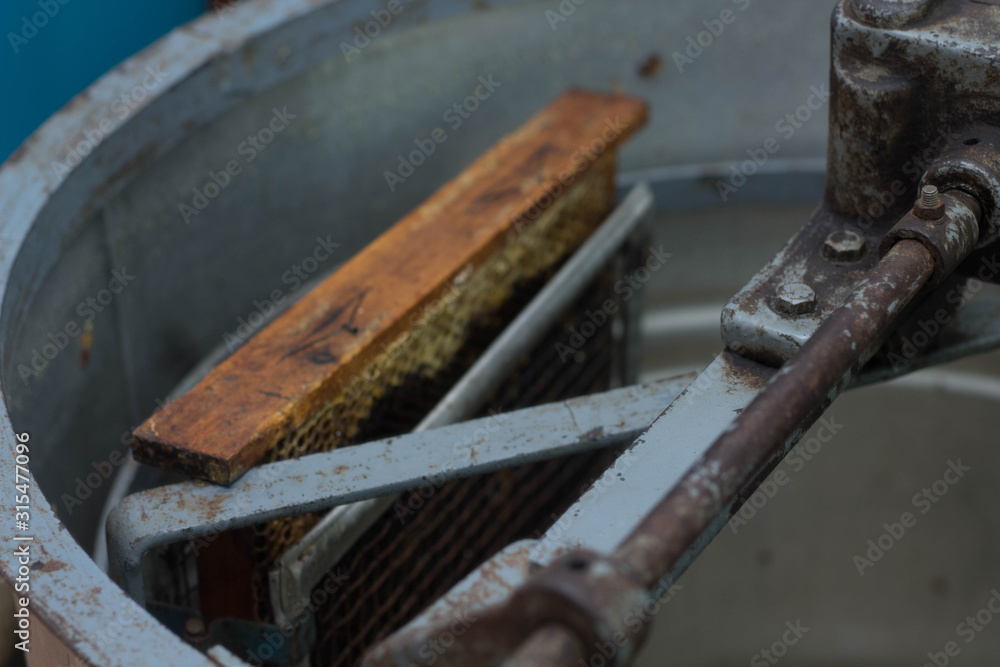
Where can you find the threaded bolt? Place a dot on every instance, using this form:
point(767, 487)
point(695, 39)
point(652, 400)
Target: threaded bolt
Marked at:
point(844, 245)
point(929, 204)
point(929, 196)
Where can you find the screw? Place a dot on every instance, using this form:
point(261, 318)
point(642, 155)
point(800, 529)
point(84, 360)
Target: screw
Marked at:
point(844, 246)
point(929, 206)
point(195, 631)
point(929, 196)
point(795, 299)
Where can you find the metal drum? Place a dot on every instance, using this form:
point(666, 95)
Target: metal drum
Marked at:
point(134, 240)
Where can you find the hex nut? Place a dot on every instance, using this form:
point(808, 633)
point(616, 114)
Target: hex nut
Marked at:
point(929, 204)
point(795, 299)
point(844, 245)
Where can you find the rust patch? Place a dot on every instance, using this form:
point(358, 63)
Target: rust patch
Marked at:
point(748, 373)
point(131, 167)
point(650, 66)
point(51, 566)
point(18, 153)
point(593, 435)
point(86, 341)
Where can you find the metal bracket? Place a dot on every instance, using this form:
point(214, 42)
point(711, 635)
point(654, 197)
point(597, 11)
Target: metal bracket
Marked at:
point(760, 323)
point(192, 510)
point(884, 145)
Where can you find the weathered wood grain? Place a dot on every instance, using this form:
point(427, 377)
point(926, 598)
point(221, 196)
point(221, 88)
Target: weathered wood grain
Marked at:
point(235, 417)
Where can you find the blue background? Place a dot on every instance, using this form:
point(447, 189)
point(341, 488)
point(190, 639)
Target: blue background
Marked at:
point(81, 42)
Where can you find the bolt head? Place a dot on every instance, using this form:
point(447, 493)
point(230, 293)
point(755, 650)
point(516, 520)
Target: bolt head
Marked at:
point(929, 205)
point(844, 245)
point(795, 299)
point(195, 629)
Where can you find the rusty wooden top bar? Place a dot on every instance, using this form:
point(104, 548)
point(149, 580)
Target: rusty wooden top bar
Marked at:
point(232, 419)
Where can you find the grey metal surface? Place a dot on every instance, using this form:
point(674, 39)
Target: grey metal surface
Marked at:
point(592, 522)
point(789, 555)
point(884, 144)
point(975, 329)
point(193, 281)
point(689, 187)
point(794, 397)
point(896, 93)
point(320, 481)
point(299, 569)
point(609, 511)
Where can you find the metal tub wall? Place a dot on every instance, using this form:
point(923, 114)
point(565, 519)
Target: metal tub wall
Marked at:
point(344, 119)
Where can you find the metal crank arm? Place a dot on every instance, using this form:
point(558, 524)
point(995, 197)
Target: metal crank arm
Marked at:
point(705, 454)
point(868, 278)
point(845, 290)
point(193, 510)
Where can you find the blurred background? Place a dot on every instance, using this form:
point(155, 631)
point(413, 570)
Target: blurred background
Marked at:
point(53, 49)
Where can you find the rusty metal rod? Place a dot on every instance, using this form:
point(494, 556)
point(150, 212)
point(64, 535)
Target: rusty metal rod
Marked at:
point(784, 410)
point(760, 436)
